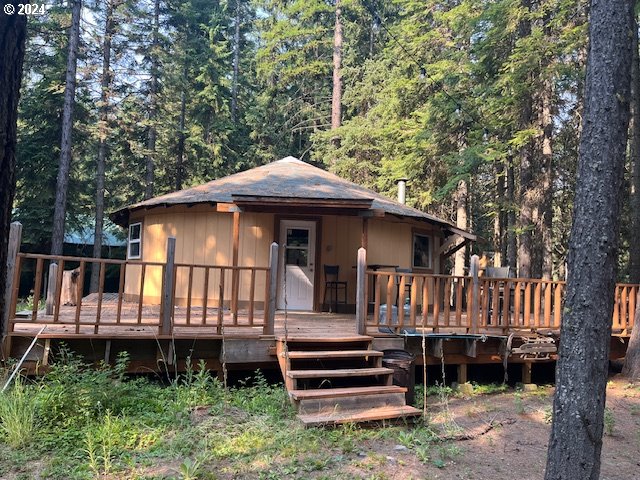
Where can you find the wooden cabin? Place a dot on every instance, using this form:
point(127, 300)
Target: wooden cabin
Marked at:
point(320, 218)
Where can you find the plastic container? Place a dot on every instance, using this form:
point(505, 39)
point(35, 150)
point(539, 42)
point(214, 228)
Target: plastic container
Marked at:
point(403, 365)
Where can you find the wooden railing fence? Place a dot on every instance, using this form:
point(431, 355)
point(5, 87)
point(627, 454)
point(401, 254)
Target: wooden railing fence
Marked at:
point(213, 302)
point(413, 301)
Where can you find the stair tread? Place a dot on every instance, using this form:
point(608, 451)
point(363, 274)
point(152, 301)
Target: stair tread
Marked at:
point(344, 392)
point(339, 372)
point(334, 354)
point(322, 339)
point(360, 415)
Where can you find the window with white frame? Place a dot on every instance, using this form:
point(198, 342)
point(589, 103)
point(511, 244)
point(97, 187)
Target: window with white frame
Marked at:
point(421, 251)
point(134, 249)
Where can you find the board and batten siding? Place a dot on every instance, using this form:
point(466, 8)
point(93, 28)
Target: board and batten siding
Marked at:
point(203, 237)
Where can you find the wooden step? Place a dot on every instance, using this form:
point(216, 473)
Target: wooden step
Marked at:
point(365, 402)
point(310, 354)
point(340, 372)
point(344, 392)
point(358, 416)
point(349, 339)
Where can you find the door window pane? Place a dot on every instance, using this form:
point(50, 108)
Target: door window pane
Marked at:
point(297, 256)
point(297, 237)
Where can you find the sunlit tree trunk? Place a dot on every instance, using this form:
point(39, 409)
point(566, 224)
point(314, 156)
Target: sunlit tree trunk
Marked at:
point(103, 131)
point(153, 105)
point(62, 183)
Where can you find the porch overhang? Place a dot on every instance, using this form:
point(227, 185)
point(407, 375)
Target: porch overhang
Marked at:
point(276, 204)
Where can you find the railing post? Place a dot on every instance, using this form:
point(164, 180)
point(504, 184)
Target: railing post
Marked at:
point(15, 237)
point(168, 281)
point(50, 302)
point(361, 305)
point(270, 310)
point(475, 296)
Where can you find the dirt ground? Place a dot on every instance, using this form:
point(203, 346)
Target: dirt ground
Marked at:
point(517, 449)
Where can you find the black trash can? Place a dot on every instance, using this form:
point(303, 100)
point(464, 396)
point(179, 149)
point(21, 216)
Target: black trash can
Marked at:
point(404, 370)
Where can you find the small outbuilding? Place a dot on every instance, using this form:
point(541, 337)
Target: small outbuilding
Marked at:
point(320, 218)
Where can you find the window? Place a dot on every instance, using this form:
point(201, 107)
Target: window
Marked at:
point(135, 237)
point(421, 251)
point(297, 252)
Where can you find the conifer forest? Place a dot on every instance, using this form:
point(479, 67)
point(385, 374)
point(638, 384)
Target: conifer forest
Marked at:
point(476, 103)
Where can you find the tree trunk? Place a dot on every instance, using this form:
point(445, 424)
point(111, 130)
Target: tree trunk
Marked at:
point(103, 131)
point(546, 208)
point(581, 376)
point(512, 243)
point(12, 45)
point(462, 223)
point(236, 63)
point(631, 368)
point(527, 194)
point(336, 98)
point(634, 157)
point(153, 105)
point(500, 219)
point(181, 140)
point(62, 183)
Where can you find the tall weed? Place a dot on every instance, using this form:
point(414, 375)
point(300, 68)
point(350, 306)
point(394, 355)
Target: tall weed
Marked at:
point(18, 415)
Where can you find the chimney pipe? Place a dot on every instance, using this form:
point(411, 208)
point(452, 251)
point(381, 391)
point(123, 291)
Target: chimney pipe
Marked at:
point(402, 190)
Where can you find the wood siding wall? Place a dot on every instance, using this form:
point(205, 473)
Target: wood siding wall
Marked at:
point(205, 237)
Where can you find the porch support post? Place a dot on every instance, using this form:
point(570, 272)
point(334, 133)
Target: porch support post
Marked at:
point(364, 243)
point(475, 293)
point(235, 275)
point(361, 298)
point(15, 238)
point(168, 283)
point(50, 302)
point(270, 308)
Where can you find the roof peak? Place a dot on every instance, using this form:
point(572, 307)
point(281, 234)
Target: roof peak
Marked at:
point(290, 159)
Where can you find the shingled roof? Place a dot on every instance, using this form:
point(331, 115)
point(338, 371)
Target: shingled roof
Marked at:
point(284, 179)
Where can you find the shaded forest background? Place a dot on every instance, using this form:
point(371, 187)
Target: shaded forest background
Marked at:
point(476, 102)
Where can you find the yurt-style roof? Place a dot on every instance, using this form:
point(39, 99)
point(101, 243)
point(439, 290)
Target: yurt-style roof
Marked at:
point(283, 181)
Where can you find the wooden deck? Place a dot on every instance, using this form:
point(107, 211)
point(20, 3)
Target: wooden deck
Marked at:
point(142, 321)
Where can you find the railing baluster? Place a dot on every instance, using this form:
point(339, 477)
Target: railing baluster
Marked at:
point(56, 313)
point(221, 300)
point(623, 308)
point(376, 296)
point(516, 305)
point(414, 301)
point(101, 266)
point(252, 289)
point(526, 314)
point(143, 272)
point(425, 302)
point(79, 292)
point(189, 294)
point(458, 301)
point(506, 305)
point(390, 282)
point(446, 298)
point(401, 300)
point(123, 270)
point(436, 303)
point(36, 290)
point(557, 306)
point(205, 295)
point(547, 304)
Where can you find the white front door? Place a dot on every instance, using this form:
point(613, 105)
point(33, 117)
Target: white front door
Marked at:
point(298, 253)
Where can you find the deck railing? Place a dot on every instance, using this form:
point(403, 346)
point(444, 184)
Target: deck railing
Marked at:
point(151, 294)
point(404, 300)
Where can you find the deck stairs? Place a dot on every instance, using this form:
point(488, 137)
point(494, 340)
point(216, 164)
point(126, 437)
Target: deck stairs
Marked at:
point(333, 380)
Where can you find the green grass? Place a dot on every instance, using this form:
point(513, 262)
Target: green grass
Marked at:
point(83, 422)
